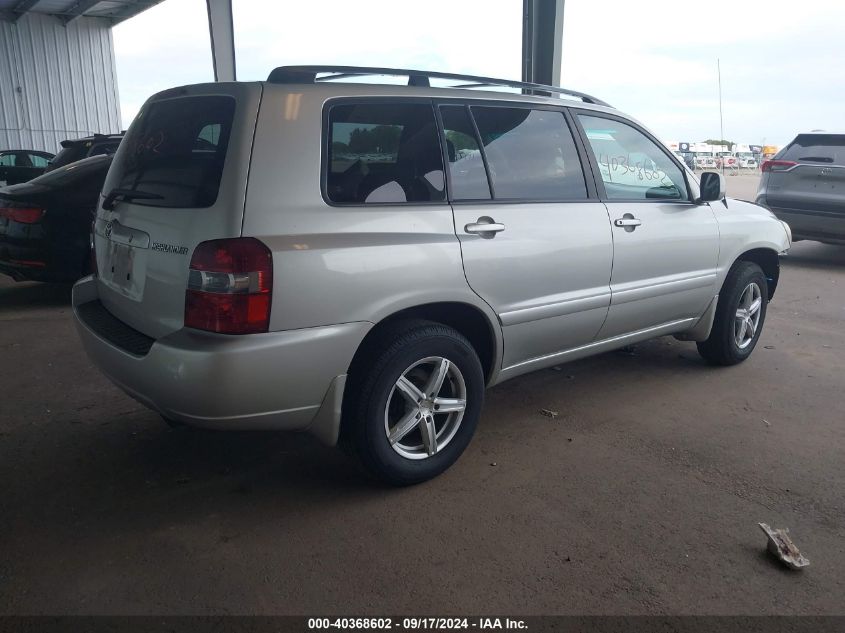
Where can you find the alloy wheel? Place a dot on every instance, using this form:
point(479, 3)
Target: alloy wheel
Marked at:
point(425, 408)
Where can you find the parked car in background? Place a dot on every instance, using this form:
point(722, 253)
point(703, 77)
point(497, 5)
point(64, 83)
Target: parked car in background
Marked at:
point(705, 160)
point(45, 224)
point(804, 185)
point(726, 160)
point(20, 165)
point(79, 148)
point(746, 160)
point(363, 268)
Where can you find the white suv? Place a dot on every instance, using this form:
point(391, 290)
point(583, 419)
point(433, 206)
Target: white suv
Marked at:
point(360, 260)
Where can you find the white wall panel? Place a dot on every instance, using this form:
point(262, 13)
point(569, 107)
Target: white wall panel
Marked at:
point(56, 81)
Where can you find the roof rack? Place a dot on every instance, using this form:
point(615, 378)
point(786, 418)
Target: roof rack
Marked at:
point(308, 74)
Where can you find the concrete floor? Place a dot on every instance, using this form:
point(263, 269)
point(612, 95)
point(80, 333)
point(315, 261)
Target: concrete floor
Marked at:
point(643, 497)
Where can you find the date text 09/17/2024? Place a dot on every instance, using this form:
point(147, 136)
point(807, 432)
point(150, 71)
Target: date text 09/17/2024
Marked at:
point(420, 623)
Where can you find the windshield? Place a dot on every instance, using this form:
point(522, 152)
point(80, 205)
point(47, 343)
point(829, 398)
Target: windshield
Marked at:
point(817, 148)
point(73, 172)
point(176, 149)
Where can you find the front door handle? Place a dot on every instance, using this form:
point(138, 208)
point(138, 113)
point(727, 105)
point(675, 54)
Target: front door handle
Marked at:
point(628, 222)
point(485, 227)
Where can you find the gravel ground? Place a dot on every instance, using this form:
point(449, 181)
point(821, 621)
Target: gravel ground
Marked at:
point(642, 497)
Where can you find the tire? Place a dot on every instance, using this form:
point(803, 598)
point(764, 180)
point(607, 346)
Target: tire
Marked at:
point(722, 347)
point(376, 403)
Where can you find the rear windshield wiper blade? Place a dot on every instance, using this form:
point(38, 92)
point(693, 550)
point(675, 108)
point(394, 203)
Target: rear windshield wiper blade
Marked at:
point(817, 159)
point(127, 194)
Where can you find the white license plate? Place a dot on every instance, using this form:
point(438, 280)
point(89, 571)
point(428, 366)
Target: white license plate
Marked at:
point(121, 258)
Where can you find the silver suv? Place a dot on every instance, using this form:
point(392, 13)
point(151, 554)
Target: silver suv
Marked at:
point(804, 184)
point(360, 261)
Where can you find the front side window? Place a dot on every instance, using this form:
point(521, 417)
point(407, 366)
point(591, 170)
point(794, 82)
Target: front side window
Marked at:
point(169, 151)
point(383, 153)
point(632, 166)
point(530, 154)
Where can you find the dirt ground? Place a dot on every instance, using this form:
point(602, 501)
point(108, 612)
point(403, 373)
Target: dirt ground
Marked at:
point(642, 497)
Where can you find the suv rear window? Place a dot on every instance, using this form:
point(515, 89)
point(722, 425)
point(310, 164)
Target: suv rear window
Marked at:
point(384, 153)
point(175, 149)
point(824, 149)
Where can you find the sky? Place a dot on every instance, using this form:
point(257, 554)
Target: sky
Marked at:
point(783, 70)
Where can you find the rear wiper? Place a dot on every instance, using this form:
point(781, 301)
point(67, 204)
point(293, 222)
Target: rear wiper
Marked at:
point(817, 159)
point(127, 194)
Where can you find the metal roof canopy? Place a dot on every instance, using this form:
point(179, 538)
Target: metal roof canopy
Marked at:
point(542, 40)
point(542, 29)
point(115, 11)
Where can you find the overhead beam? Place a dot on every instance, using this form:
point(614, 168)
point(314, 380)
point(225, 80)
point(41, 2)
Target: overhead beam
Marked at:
point(78, 10)
point(221, 28)
point(20, 9)
point(130, 10)
point(542, 41)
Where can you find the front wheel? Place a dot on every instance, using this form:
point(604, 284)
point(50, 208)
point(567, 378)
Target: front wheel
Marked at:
point(739, 316)
point(415, 402)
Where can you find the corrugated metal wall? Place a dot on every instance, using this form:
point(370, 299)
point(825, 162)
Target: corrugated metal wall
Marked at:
point(56, 81)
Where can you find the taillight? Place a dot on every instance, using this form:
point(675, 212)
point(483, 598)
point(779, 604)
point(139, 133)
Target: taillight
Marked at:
point(777, 165)
point(24, 215)
point(230, 285)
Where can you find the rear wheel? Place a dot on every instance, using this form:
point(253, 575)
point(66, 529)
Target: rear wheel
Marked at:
point(415, 402)
point(739, 316)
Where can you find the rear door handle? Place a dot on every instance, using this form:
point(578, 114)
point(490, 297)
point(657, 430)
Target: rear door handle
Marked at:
point(485, 227)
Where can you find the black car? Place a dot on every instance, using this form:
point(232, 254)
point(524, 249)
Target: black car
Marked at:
point(45, 223)
point(79, 148)
point(20, 165)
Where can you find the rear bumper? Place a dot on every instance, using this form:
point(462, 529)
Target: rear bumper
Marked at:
point(290, 380)
point(808, 225)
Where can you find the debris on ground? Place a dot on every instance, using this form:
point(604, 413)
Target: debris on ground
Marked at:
point(549, 413)
point(768, 346)
point(767, 423)
point(782, 547)
point(493, 464)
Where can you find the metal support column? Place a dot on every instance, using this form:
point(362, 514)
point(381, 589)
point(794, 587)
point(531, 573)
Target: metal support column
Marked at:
point(542, 41)
point(222, 31)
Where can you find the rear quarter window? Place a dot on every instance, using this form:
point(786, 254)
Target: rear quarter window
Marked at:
point(175, 149)
point(383, 153)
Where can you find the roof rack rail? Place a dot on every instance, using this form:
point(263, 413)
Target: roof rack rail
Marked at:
point(308, 74)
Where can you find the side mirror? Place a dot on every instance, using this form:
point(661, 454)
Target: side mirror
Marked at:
point(712, 187)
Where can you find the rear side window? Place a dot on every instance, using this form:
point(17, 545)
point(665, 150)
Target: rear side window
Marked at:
point(385, 153)
point(175, 149)
point(38, 161)
point(530, 154)
point(824, 149)
point(468, 177)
